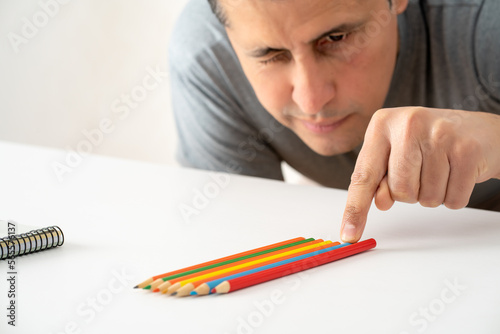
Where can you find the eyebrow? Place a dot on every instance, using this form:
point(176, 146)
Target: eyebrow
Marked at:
point(264, 51)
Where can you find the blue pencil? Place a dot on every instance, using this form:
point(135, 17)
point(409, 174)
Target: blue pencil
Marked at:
point(206, 288)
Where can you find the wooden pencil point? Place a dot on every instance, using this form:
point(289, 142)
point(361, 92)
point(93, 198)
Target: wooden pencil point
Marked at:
point(185, 290)
point(210, 264)
point(202, 289)
point(156, 284)
point(144, 284)
point(173, 288)
point(251, 269)
point(224, 287)
point(163, 287)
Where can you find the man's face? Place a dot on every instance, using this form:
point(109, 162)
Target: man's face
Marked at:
point(320, 67)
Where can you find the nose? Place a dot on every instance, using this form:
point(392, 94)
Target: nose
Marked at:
point(313, 85)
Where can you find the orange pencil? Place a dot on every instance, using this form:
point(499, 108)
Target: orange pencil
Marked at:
point(168, 279)
point(230, 257)
point(202, 288)
point(174, 284)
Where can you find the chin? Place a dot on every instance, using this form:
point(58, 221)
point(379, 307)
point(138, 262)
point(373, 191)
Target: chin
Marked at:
point(341, 140)
point(329, 148)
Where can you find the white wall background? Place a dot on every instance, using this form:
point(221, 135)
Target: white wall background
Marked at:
point(65, 66)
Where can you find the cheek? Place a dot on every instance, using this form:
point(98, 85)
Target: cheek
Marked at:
point(370, 72)
point(272, 89)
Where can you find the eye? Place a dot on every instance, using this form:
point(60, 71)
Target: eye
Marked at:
point(280, 57)
point(333, 41)
point(336, 38)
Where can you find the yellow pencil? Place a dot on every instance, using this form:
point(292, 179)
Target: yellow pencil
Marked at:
point(179, 284)
point(164, 287)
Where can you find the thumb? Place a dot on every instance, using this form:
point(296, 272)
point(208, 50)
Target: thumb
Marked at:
point(383, 198)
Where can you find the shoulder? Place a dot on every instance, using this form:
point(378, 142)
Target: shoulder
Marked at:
point(197, 33)
point(487, 47)
point(448, 3)
point(467, 30)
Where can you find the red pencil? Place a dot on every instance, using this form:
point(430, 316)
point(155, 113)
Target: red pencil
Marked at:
point(287, 269)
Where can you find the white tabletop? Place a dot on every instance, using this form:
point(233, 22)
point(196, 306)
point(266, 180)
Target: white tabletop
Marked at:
point(433, 271)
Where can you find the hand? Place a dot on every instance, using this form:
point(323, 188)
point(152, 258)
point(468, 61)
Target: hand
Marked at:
point(415, 154)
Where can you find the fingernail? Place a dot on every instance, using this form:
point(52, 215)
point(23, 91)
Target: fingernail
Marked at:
point(348, 233)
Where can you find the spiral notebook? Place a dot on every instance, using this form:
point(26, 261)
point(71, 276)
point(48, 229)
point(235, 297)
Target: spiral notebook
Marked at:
point(17, 244)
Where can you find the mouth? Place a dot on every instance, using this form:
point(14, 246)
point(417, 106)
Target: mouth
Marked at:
point(324, 126)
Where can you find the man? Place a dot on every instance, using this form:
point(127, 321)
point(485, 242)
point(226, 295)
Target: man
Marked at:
point(416, 84)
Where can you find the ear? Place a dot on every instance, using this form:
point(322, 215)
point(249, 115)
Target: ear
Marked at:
point(399, 6)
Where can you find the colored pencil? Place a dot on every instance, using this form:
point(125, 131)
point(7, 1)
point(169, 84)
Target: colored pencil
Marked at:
point(206, 287)
point(287, 269)
point(186, 289)
point(232, 260)
point(166, 285)
point(154, 278)
point(245, 264)
point(177, 278)
point(235, 257)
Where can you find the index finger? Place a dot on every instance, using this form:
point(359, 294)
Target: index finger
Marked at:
point(370, 169)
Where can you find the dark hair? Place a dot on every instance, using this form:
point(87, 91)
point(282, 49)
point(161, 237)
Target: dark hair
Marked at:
point(219, 12)
point(217, 9)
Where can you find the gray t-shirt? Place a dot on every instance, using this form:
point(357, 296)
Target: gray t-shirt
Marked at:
point(448, 58)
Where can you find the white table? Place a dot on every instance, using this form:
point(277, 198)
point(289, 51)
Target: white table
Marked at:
point(433, 271)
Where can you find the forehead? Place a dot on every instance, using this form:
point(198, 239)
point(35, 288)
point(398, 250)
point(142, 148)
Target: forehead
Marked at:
point(274, 22)
point(291, 10)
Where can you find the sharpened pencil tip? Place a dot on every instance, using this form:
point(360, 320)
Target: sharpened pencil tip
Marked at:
point(193, 293)
point(135, 287)
point(156, 290)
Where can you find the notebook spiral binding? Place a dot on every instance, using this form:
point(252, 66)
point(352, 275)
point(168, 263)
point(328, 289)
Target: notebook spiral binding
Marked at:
point(30, 242)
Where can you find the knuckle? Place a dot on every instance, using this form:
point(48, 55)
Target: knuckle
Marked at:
point(363, 177)
point(460, 199)
point(455, 204)
point(418, 110)
point(415, 114)
point(378, 123)
point(407, 164)
point(402, 196)
point(353, 213)
point(353, 210)
point(381, 115)
point(466, 156)
point(429, 202)
point(402, 191)
point(402, 181)
point(440, 132)
point(414, 119)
